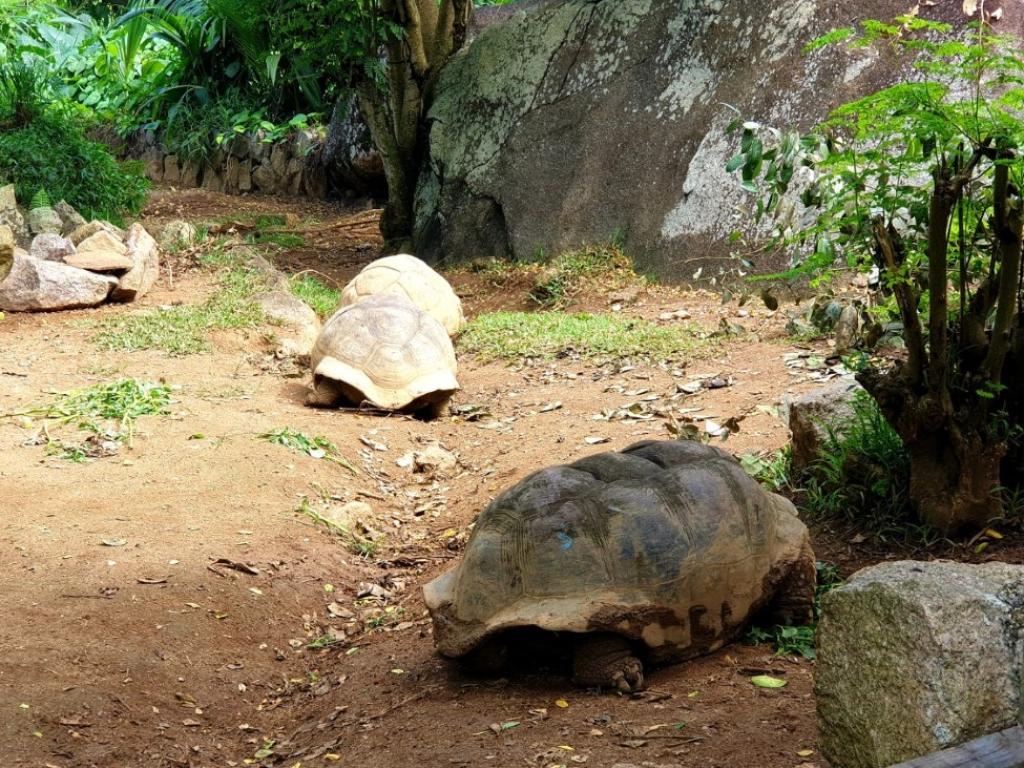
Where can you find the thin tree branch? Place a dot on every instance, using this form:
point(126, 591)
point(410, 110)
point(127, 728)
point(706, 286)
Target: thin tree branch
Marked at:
point(906, 298)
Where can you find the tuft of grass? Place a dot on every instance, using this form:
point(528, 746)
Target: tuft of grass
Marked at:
point(388, 617)
point(513, 335)
point(323, 641)
point(798, 641)
point(316, 447)
point(316, 293)
point(862, 477)
point(567, 275)
point(183, 330)
point(106, 411)
point(355, 543)
point(280, 239)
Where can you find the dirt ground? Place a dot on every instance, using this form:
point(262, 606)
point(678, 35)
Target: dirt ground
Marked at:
point(185, 643)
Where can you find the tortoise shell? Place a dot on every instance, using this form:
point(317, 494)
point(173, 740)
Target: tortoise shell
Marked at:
point(386, 351)
point(670, 544)
point(405, 275)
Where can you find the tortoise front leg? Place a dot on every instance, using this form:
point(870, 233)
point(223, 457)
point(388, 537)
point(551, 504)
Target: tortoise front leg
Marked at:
point(606, 661)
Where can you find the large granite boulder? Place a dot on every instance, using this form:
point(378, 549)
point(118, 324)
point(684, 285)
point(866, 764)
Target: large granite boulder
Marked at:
point(7, 246)
point(69, 217)
point(348, 155)
point(44, 220)
point(34, 285)
point(915, 657)
point(576, 120)
point(144, 254)
point(51, 247)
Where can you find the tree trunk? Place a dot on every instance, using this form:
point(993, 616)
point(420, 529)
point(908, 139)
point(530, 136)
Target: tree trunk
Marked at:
point(954, 470)
point(954, 483)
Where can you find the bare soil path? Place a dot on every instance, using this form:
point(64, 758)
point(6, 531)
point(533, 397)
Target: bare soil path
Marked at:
point(153, 653)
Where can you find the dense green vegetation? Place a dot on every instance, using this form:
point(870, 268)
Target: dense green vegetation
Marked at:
point(200, 71)
point(923, 181)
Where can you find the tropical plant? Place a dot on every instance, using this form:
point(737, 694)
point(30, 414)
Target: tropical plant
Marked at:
point(923, 180)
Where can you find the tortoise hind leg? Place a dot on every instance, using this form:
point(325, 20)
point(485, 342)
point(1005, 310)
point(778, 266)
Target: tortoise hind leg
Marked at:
point(606, 661)
point(794, 599)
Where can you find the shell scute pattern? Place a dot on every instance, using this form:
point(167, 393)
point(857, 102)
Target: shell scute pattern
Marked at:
point(406, 276)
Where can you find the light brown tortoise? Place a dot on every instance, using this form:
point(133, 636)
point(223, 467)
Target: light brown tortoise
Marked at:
point(663, 551)
point(384, 351)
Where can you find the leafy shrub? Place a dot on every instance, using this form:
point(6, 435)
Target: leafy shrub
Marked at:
point(863, 475)
point(52, 153)
point(23, 92)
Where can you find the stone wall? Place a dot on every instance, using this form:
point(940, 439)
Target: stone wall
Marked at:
point(335, 160)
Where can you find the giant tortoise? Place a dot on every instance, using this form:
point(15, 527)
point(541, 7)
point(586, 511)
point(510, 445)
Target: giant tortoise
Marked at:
point(384, 351)
point(662, 552)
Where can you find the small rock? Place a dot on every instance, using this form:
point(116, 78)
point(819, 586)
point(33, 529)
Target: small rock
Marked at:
point(85, 231)
point(348, 515)
point(811, 415)
point(177, 234)
point(44, 220)
point(145, 257)
point(51, 247)
point(434, 459)
point(45, 285)
point(69, 217)
point(847, 329)
point(298, 325)
point(6, 250)
point(11, 216)
point(101, 252)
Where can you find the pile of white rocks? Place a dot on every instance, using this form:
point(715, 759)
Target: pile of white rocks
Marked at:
point(51, 258)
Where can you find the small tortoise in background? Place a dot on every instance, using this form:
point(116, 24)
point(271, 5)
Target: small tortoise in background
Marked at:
point(663, 551)
point(385, 351)
point(414, 279)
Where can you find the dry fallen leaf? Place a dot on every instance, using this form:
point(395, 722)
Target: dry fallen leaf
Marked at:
point(970, 7)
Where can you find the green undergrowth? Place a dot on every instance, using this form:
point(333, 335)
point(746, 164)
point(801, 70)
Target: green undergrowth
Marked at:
point(792, 640)
point(183, 330)
point(862, 479)
point(569, 274)
point(316, 293)
point(317, 447)
point(106, 412)
point(514, 335)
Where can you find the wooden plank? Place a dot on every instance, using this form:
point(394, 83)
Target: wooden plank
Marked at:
point(998, 750)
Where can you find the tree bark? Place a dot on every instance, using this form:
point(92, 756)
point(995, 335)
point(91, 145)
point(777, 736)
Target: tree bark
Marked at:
point(432, 35)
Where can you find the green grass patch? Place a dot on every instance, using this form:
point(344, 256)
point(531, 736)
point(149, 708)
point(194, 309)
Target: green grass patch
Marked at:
point(569, 274)
point(316, 293)
point(183, 330)
point(512, 335)
point(280, 239)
